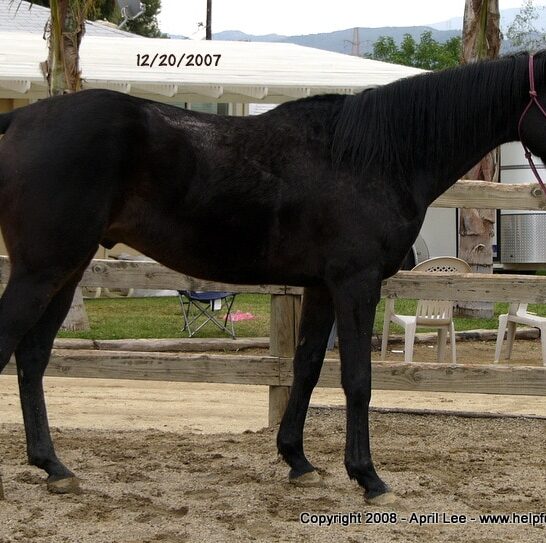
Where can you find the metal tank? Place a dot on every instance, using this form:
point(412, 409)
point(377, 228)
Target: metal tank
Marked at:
point(522, 233)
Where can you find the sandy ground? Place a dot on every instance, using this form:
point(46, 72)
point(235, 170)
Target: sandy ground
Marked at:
point(177, 462)
point(105, 404)
point(151, 486)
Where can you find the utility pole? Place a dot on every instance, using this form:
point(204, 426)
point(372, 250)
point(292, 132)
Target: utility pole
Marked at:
point(208, 28)
point(356, 42)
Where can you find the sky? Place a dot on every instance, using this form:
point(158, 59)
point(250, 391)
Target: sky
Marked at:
point(292, 17)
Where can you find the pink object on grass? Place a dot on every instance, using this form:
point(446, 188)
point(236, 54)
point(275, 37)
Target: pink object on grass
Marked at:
point(237, 316)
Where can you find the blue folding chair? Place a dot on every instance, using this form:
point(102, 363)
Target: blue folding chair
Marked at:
point(198, 309)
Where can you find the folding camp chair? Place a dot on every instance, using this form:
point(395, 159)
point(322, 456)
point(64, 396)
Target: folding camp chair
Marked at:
point(198, 309)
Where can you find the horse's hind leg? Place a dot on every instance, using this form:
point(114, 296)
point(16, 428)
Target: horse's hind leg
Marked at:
point(32, 309)
point(32, 356)
point(316, 322)
point(25, 299)
point(23, 303)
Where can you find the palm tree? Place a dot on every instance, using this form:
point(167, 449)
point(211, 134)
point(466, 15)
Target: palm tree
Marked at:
point(481, 40)
point(66, 29)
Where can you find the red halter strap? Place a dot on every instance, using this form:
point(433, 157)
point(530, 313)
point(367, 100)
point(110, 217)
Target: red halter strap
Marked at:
point(533, 100)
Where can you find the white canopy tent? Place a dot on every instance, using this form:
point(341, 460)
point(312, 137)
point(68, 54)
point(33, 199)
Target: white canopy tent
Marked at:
point(195, 71)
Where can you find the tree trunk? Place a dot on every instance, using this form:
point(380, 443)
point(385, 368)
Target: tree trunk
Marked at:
point(62, 71)
point(66, 30)
point(76, 319)
point(481, 40)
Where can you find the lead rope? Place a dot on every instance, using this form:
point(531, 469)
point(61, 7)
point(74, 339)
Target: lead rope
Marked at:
point(532, 100)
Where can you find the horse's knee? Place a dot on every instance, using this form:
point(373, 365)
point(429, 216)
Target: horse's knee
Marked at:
point(356, 382)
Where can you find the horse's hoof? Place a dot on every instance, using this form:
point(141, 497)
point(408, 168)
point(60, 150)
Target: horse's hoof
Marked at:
point(67, 485)
point(387, 498)
point(309, 479)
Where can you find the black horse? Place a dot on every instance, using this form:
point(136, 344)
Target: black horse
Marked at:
point(327, 192)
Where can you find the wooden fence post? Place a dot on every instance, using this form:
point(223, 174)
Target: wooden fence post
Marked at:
point(285, 317)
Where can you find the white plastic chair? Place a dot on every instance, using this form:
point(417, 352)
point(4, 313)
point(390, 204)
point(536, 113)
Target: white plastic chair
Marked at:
point(517, 314)
point(430, 313)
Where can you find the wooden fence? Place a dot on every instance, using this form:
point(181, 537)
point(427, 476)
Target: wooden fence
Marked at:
point(275, 369)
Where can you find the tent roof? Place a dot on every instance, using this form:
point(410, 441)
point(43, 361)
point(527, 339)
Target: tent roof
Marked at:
point(237, 71)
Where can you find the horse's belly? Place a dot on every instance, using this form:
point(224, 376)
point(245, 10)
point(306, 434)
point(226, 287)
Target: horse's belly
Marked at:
point(213, 252)
point(237, 243)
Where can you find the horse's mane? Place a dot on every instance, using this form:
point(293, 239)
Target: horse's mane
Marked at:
point(400, 125)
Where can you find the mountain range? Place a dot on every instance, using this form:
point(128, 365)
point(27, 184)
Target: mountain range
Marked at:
point(341, 41)
point(507, 18)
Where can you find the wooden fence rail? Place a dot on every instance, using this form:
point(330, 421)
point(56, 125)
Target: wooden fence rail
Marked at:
point(275, 370)
point(405, 284)
point(486, 195)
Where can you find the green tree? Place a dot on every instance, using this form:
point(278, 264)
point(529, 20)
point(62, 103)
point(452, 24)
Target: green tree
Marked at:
point(428, 53)
point(522, 33)
point(385, 49)
point(146, 24)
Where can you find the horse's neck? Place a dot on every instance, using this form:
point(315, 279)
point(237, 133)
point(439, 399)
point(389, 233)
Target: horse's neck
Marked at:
point(477, 120)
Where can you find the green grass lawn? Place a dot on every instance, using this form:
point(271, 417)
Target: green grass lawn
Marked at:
point(126, 318)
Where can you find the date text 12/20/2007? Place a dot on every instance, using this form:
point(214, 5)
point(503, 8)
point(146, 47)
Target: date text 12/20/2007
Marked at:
point(145, 60)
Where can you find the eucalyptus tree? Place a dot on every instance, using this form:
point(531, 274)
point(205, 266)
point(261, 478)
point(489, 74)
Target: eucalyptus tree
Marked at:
point(481, 40)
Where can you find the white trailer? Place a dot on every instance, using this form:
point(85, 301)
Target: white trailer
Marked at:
point(519, 243)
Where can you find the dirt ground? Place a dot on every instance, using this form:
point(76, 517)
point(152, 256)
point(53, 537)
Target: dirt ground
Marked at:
point(177, 462)
point(151, 486)
point(524, 352)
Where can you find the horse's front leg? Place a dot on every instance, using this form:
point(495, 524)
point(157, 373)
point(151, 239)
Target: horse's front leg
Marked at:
point(355, 302)
point(316, 322)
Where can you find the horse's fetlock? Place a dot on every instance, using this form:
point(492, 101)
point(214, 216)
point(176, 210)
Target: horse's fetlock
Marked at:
point(38, 460)
point(359, 469)
point(45, 460)
point(288, 445)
